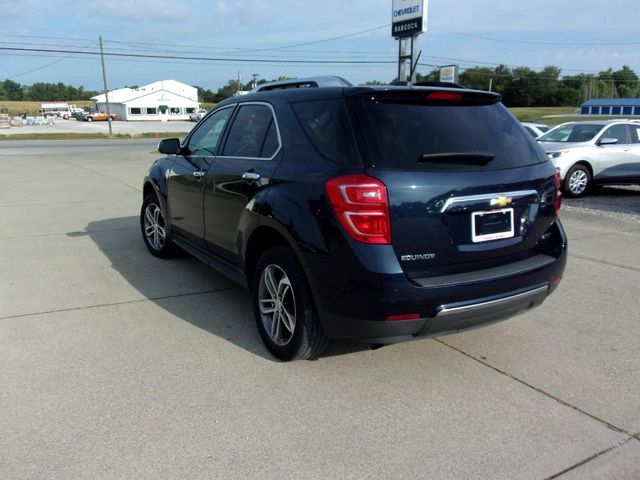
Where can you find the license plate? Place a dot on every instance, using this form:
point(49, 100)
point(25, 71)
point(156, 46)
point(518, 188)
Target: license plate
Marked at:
point(492, 225)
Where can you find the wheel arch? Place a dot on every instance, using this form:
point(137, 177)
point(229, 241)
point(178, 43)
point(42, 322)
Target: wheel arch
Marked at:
point(263, 238)
point(584, 163)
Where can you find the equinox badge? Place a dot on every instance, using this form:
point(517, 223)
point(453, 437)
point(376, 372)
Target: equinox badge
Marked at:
point(420, 256)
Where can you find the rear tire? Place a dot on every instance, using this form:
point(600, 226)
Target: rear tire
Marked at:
point(154, 228)
point(283, 306)
point(577, 182)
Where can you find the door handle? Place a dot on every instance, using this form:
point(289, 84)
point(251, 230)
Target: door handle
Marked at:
point(251, 176)
point(198, 174)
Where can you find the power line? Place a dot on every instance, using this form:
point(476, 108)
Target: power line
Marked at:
point(203, 59)
point(528, 42)
point(49, 64)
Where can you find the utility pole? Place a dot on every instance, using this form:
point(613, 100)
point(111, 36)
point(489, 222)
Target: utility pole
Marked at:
point(239, 86)
point(106, 91)
point(254, 84)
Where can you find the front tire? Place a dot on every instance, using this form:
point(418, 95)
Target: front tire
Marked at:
point(154, 228)
point(283, 306)
point(577, 181)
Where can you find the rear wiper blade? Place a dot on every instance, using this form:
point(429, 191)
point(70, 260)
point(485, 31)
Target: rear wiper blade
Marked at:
point(474, 158)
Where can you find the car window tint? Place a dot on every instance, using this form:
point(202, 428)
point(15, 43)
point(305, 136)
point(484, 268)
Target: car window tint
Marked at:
point(204, 141)
point(635, 134)
point(406, 132)
point(271, 144)
point(531, 132)
point(327, 126)
point(619, 132)
point(250, 134)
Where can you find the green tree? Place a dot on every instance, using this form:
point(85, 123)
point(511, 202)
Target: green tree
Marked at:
point(626, 82)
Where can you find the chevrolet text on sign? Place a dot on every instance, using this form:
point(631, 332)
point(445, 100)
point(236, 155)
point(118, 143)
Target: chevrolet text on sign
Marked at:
point(408, 17)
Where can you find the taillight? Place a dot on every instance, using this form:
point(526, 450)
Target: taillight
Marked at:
point(558, 193)
point(408, 316)
point(362, 207)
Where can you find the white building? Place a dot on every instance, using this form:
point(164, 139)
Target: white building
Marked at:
point(163, 100)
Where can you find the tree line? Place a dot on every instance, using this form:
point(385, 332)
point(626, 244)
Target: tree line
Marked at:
point(520, 86)
point(524, 87)
point(41, 92)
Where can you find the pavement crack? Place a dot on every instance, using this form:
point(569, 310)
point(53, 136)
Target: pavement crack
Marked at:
point(130, 302)
point(102, 175)
point(591, 458)
point(605, 262)
point(608, 425)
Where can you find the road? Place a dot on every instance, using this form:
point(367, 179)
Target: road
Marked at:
point(115, 364)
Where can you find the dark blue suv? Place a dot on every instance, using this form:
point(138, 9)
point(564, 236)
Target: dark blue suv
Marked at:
point(380, 214)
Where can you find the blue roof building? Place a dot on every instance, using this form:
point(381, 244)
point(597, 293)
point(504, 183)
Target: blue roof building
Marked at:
point(611, 106)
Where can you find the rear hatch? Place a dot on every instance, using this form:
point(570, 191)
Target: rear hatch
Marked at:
point(468, 188)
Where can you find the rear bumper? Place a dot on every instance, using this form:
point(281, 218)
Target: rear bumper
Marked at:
point(355, 296)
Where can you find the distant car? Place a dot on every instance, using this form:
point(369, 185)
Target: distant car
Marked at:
point(95, 116)
point(81, 114)
point(594, 153)
point(535, 129)
point(197, 115)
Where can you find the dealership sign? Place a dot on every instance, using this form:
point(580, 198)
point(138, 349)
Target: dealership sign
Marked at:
point(408, 17)
point(449, 74)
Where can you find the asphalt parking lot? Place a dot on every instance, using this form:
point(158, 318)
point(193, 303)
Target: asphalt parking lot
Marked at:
point(115, 364)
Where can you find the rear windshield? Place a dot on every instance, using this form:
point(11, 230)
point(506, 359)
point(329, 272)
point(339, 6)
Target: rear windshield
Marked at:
point(448, 137)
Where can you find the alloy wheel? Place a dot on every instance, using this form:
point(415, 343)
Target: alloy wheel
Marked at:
point(154, 226)
point(277, 305)
point(578, 182)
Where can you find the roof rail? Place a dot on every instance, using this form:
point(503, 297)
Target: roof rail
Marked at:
point(312, 82)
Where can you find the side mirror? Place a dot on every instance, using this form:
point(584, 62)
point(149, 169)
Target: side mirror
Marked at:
point(170, 146)
point(608, 141)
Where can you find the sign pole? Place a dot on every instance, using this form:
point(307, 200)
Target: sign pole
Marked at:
point(409, 19)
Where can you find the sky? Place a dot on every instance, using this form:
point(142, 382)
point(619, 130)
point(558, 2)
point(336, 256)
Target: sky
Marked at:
point(214, 41)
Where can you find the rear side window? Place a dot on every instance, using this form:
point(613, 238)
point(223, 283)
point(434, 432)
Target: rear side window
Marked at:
point(326, 123)
point(253, 133)
point(450, 137)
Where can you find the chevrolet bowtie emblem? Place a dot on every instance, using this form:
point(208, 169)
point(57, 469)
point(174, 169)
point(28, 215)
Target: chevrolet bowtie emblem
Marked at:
point(501, 201)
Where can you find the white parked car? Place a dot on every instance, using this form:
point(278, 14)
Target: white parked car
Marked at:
point(535, 129)
point(197, 115)
point(594, 153)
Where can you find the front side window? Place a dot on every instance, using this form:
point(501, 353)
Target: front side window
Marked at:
point(204, 141)
point(619, 132)
point(253, 133)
